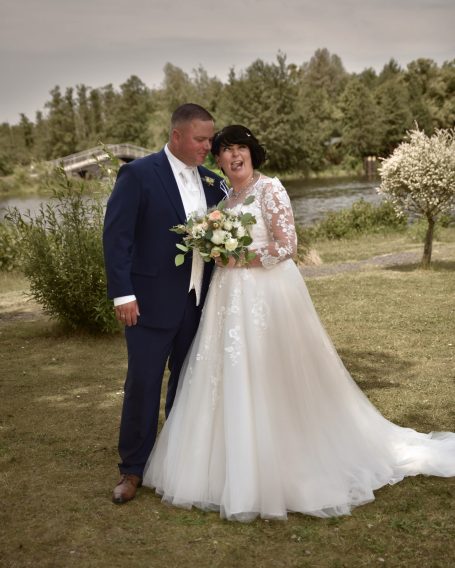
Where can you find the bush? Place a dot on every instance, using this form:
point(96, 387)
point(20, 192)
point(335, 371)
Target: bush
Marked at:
point(306, 254)
point(9, 247)
point(62, 257)
point(447, 219)
point(362, 217)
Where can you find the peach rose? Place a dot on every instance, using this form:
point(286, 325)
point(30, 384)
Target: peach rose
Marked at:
point(215, 215)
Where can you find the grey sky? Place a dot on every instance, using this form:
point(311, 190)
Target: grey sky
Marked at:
point(96, 42)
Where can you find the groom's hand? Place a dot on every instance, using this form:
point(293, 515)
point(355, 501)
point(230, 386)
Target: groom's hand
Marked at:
point(127, 313)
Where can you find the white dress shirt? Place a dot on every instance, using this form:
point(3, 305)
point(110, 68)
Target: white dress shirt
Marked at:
point(193, 199)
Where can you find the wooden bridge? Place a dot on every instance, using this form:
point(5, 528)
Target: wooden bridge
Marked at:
point(86, 163)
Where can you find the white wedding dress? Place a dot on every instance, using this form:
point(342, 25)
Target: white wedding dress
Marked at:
point(266, 418)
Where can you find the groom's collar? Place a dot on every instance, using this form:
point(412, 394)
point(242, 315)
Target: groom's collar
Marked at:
point(177, 165)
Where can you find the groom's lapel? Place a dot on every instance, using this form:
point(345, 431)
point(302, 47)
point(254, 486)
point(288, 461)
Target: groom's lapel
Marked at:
point(210, 185)
point(164, 172)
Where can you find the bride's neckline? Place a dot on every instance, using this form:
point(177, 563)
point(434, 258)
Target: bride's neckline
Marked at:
point(239, 194)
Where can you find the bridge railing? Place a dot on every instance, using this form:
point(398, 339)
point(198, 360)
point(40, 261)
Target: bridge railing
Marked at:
point(93, 155)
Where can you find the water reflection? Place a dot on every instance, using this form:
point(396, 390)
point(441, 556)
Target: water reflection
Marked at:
point(310, 198)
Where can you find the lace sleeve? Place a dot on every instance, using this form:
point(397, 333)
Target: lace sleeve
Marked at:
point(279, 219)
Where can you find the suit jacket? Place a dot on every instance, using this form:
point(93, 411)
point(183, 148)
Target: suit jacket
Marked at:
point(139, 248)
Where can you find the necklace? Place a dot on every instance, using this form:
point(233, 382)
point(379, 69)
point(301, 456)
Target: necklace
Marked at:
point(251, 181)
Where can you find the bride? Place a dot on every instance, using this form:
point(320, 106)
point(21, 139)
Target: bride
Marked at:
point(266, 418)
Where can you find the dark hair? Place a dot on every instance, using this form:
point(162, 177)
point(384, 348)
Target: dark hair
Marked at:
point(238, 134)
point(189, 112)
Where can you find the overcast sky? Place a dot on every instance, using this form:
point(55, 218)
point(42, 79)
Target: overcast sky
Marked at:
point(67, 42)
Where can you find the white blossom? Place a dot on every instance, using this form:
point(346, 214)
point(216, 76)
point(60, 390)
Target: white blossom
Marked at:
point(218, 236)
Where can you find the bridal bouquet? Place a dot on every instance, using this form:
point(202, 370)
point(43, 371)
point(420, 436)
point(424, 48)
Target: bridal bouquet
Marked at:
point(220, 233)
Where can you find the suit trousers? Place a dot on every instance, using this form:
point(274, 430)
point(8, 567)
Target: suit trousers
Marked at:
point(148, 351)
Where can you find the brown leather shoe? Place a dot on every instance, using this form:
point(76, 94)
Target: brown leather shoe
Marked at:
point(125, 490)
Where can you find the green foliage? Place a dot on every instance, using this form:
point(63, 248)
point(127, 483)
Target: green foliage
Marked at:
point(362, 217)
point(361, 120)
point(9, 247)
point(61, 134)
point(62, 257)
point(417, 230)
point(311, 116)
point(303, 243)
point(396, 117)
point(263, 97)
point(130, 113)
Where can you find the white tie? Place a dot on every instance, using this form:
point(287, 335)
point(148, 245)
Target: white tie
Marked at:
point(189, 179)
point(196, 204)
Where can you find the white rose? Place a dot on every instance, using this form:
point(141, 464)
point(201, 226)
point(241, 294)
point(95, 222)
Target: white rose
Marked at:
point(198, 230)
point(227, 225)
point(241, 232)
point(218, 236)
point(231, 244)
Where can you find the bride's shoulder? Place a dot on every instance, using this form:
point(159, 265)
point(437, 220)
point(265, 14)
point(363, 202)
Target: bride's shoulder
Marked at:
point(267, 183)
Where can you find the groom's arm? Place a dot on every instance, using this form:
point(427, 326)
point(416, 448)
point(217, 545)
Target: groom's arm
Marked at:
point(119, 230)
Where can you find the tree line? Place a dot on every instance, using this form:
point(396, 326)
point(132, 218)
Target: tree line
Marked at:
point(310, 117)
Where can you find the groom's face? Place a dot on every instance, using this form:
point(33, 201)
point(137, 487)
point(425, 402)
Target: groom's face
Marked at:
point(191, 141)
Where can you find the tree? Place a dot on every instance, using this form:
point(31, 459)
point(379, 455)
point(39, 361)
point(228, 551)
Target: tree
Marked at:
point(264, 99)
point(321, 81)
point(40, 137)
point(361, 122)
point(325, 71)
point(61, 124)
point(27, 131)
point(420, 74)
point(130, 115)
point(419, 177)
point(441, 93)
point(96, 117)
point(82, 117)
point(317, 129)
point(393, 100)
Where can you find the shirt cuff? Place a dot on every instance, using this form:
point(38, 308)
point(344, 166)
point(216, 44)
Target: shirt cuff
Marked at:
point(123, 300)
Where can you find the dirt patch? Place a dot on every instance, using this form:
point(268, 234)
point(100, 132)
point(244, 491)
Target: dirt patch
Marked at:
point(17, 305)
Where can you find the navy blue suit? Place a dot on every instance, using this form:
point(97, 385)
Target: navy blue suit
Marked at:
point(139, 251)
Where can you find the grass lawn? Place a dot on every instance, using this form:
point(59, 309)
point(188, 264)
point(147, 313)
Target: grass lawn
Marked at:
point(60, 403)
point(366, 246)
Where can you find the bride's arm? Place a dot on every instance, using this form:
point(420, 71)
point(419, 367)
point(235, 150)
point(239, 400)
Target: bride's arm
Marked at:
point(277, 213)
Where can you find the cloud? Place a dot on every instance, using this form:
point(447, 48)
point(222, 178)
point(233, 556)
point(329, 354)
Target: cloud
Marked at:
point(100, 41)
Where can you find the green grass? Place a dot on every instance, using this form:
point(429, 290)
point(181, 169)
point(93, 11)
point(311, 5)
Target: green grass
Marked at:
point(60, 404)
point(369, 245)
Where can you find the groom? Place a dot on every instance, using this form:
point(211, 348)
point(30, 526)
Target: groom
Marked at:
point(159, 303)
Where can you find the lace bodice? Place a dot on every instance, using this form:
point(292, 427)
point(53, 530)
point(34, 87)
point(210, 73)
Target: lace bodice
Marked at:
point(274, 235)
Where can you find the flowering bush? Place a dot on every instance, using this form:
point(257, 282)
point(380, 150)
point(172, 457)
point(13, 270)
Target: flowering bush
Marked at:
point(419, 177)
point(220, 233)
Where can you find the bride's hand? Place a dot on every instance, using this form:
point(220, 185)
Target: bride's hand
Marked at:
point(232, 263)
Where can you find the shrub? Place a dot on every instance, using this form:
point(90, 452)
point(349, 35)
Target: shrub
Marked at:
point(306, 254)
point(362, 217)
point(62, 257)
point(9, 247)
point(419, 178)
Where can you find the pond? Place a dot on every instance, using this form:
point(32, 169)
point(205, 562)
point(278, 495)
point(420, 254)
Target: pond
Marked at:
point(311, 198)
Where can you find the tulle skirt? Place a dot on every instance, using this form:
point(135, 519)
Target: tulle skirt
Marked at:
point(267, 420)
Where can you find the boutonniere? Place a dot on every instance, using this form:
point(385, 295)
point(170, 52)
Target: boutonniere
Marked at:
point(208, 180)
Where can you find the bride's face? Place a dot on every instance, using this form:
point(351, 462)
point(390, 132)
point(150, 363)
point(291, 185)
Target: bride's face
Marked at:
point(235, 161)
